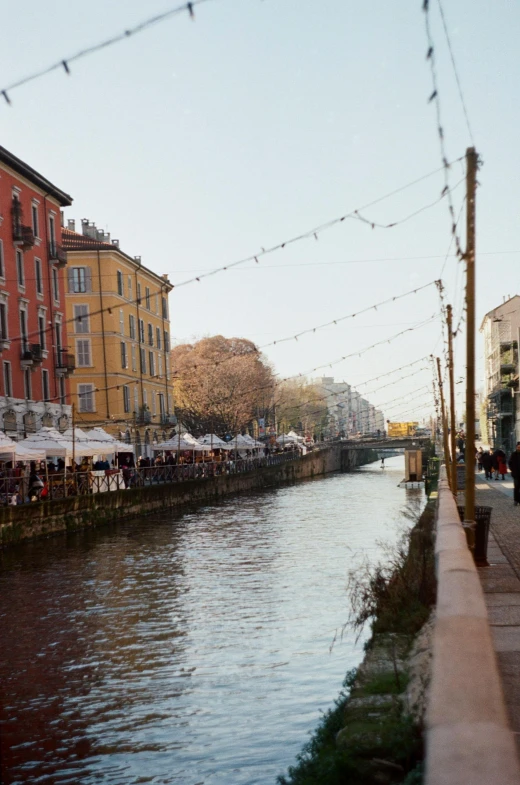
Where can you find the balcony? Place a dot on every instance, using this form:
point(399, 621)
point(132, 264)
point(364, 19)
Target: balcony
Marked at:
point(168, 419)
point(31, 355)
point(143, 417)
point(57, 254)
point(65, 363)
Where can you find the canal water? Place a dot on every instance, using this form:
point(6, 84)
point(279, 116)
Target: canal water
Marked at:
point(193, 649)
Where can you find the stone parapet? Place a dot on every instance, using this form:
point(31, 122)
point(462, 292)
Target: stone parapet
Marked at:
point(468, 738)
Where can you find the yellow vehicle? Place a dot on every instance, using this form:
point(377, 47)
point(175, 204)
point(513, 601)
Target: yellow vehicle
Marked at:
point(402, 430)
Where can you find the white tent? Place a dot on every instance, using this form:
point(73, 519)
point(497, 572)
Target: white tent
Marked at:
point(100, 435)
point(287, 438)
point(178, 444)
point(211, 440)
point(294, 435)
point(56, 444)
point(187, 437)
point(24, 453)
point(7, 448)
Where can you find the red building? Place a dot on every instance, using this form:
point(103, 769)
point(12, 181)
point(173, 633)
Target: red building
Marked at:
point(34, 386)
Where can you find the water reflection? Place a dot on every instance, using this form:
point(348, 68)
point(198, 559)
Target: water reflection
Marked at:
point(186, 649)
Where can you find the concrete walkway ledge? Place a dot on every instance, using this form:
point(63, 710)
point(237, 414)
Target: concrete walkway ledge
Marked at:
point(468, 738)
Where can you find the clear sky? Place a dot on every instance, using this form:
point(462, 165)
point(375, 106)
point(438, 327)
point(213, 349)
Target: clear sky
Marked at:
point(196, 143)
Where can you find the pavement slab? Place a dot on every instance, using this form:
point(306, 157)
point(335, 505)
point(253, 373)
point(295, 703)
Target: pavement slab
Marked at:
point(501, 584)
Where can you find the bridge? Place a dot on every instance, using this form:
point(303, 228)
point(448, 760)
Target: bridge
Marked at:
point(385, 443)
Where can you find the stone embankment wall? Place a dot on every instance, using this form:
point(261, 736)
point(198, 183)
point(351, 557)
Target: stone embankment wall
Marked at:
point(468, 739)
point(45, 518)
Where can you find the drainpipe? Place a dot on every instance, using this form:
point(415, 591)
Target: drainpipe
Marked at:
point(103, 332)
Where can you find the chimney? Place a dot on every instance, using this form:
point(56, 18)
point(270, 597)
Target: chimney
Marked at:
point(71, 225)
point(138, 260)
point(116, 243)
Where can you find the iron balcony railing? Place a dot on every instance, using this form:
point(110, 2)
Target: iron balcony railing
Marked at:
point(57, 254)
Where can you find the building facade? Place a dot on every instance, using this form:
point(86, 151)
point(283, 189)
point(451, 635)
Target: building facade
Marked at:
point(349, 413)
point(33, 333)
point(119, 327)
point(501, 330)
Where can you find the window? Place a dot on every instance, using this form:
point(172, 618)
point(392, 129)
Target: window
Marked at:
point(164, 308)
point(27, 384)
point(23, 330)
point(57, 333)
point(141, 331)
point(142, 357)
point(158, 337)
point(20, 272)
point(86, 397)
point(151, 360)
point(156, 303)
point(159, 365)
point(83, 352)
point(80, 280)
point(41, 330)
point(121, 321)
point(124, 361)
point(134, 357)
point(154, 403)
point(166, 342)
point(45, 385)
point(81, 324)
point(161, 406)
point(120, 284)
point(8, 384)
point(145, 398)
point(147, 294)
point(150, 335)
point(138, 294)
point(131, 325)
point(56, 284)
point(136, 400)
point(126, 398)
point(129, 286)
point(3, 322)
point(52, 231)
point(2, 267)
point(35, 220)
point(63, 397)
point(38, 271)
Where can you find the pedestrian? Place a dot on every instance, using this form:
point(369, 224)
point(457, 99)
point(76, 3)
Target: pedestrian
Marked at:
point(494, 464)
point(502, 465)
point(514, 465)
point(479, 458)
point(382, 462)
point(486, 464)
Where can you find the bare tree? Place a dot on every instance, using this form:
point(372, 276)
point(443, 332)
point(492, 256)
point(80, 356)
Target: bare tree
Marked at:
point(220, 384)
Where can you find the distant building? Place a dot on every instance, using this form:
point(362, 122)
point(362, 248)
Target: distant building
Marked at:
point(501, 329)
point(119, 327)
point(337, 398)
point(33, 339)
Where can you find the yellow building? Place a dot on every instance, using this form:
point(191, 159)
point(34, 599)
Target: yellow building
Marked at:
point(119, 331)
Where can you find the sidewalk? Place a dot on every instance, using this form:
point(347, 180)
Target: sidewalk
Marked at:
point(501, 585)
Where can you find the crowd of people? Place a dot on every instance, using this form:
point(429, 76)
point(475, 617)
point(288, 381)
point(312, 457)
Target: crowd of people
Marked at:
point(495, 465)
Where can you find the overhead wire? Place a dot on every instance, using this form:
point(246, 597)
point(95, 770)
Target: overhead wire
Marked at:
point(455, 71)
point(65, 62)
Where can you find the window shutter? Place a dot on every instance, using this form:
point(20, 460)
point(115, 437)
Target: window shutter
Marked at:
point(70, 276)
point(88, 279)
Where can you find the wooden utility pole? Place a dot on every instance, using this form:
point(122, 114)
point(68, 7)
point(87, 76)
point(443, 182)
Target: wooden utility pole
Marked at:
point(444, 423)
point(449, 319)
point(471, 188)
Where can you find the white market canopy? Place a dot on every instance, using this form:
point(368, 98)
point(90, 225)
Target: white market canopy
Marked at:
point(7, 448)
point(106, 443)
point(211, 440)
point(56, 444)
point(187, 437)
point(173, 445)
point(24, 453)
point(287, 438)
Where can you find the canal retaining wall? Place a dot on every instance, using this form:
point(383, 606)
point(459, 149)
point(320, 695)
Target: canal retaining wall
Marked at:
point(48, 517)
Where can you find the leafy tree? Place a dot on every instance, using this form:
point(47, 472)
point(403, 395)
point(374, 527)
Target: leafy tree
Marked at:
point(301, 407)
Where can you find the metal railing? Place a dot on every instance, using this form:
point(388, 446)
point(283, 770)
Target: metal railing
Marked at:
point(18, 489)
